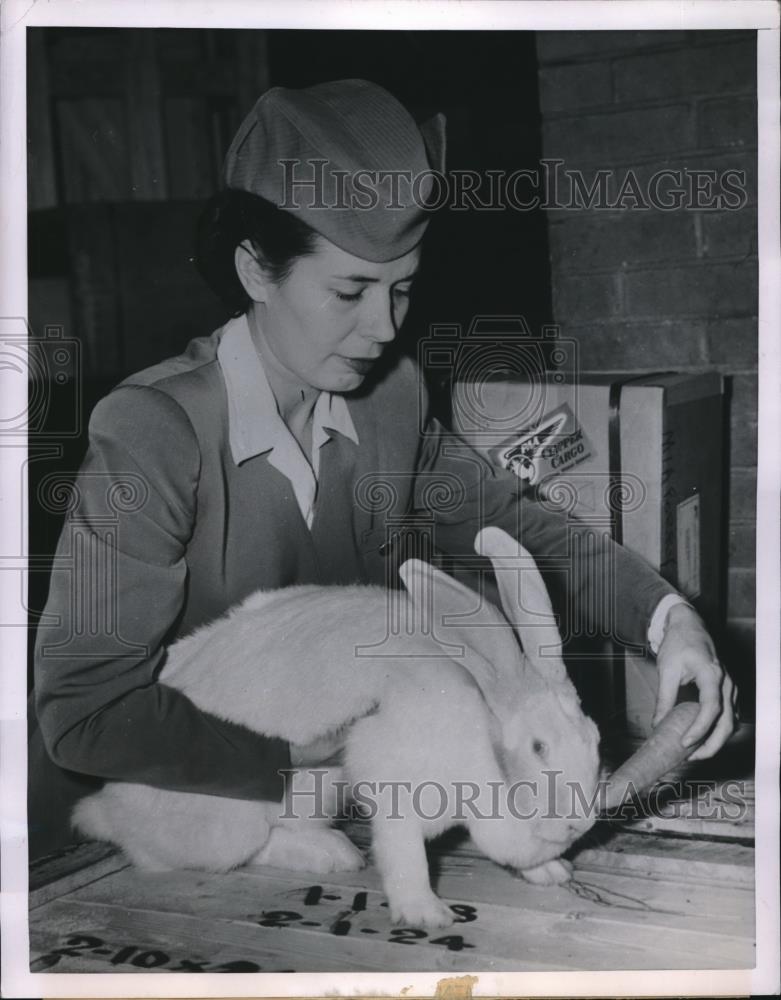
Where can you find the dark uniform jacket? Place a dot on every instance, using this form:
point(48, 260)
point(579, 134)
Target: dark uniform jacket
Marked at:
point(167, 531)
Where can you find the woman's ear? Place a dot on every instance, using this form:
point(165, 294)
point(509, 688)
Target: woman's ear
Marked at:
point(250, 272)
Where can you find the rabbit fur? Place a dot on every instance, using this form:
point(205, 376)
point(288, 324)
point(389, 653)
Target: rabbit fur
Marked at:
point(461, 725)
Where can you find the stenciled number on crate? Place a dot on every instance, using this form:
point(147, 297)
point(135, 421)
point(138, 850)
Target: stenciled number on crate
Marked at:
point(341, 925)
point(82, 945)
point(140, 957)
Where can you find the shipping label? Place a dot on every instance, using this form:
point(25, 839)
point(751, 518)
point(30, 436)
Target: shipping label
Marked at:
point(554, 445)
point(688, 546)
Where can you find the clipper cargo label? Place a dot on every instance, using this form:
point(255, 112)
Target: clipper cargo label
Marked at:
point(556, 444)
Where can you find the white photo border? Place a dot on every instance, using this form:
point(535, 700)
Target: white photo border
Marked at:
point(759, 15)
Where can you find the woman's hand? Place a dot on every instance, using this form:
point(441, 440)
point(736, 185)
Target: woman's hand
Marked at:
point(687, 655)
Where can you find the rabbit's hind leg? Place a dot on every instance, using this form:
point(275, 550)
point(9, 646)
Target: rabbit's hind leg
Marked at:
point(145, 861)
point(310, 849)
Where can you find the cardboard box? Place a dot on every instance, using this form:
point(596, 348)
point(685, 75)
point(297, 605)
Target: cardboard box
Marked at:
point(641, 454)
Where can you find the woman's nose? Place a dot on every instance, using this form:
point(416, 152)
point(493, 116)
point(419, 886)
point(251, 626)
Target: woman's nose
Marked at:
point(381, 328)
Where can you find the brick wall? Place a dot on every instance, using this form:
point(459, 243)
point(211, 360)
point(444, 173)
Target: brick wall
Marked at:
point(651, 289)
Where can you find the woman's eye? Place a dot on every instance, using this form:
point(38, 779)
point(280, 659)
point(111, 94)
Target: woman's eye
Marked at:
point(349, 297)
point(402, 292)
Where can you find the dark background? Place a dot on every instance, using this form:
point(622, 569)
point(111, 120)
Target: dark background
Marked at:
point(127, 129)
point(130, 154)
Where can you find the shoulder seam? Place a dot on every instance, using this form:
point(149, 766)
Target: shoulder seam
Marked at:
point(127, 383)
point(174, 402)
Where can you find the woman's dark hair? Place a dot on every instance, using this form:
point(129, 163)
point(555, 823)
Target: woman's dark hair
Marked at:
point(231, 217)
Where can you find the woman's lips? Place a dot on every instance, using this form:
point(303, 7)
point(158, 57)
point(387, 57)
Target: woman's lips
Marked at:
point(361, 365)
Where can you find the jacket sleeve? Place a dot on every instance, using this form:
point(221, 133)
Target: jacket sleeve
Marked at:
point(598, 587)
point(117, 589)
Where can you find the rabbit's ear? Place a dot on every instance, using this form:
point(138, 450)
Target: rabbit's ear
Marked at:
point(468, 628)
point(525, 601)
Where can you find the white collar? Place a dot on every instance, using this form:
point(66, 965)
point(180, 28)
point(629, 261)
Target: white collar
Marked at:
point(254, 423)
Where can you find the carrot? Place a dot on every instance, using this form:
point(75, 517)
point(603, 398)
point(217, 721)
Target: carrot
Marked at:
point(662, 751)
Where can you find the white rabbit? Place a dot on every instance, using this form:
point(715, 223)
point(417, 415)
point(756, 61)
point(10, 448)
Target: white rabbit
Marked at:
point(451, 724)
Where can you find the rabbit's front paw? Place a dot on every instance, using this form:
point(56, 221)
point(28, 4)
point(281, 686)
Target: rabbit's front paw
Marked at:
point(422, 911)
point(550, 873)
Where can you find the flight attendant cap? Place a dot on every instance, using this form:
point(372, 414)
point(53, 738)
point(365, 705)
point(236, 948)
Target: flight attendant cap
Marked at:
point(347, 158)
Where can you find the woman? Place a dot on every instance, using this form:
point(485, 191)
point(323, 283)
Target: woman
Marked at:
point(283, 449)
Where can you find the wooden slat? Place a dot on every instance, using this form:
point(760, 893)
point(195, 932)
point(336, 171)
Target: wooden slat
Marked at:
point(642, 899)
point(649, 903)
point(718, 862)
point(59, 874)
point(721, 908)
point(685, 826)
point(184, 938)
point(726, 863)
point(625, 864)
point(725, 810)
point(117, 907)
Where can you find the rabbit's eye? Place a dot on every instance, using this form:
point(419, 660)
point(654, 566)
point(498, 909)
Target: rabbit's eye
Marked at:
point(540, 748)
